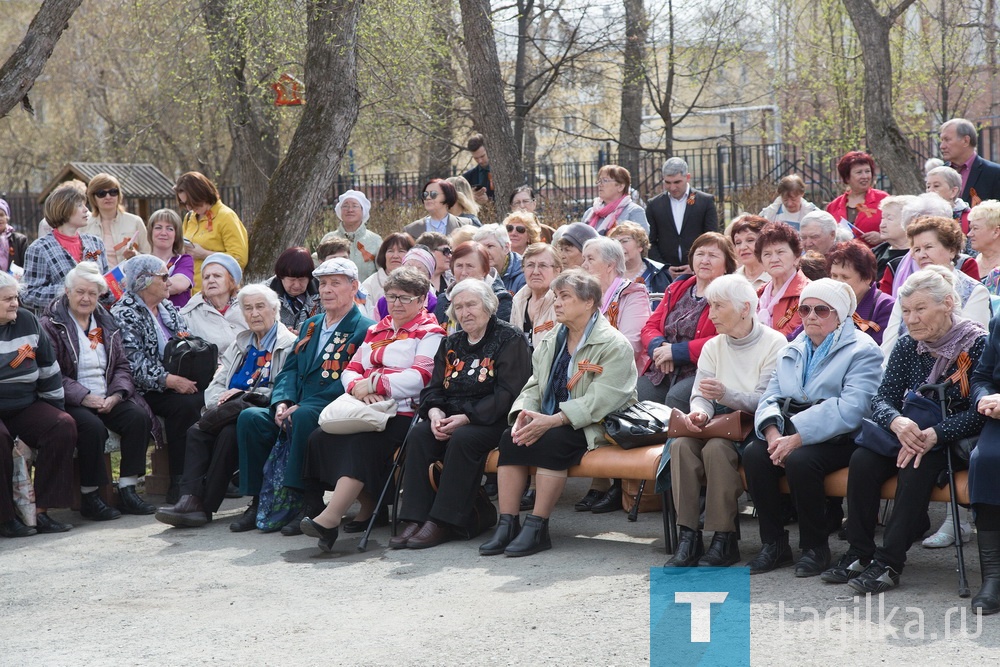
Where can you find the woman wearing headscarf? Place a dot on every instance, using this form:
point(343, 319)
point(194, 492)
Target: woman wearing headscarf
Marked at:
point(213, 313)
point(13, 244)
point(354, 209)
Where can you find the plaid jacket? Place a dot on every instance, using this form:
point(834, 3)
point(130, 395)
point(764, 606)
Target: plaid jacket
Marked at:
point(139, 337)
point(46, 264)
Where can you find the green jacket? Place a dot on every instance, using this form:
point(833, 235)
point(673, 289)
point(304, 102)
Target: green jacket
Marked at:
point(595, 394)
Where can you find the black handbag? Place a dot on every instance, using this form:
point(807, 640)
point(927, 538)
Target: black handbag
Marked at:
point(193, 358)
point(639, 425)
point(216, 418)
point(923, 411)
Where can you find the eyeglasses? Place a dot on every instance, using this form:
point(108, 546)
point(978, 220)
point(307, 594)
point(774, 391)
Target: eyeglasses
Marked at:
point(520, 229)
point(606, 181)
point(407, 300)
point(539, 266)
point(822, 312)
point(101, 194)
point(445, 250)
point(429, 195)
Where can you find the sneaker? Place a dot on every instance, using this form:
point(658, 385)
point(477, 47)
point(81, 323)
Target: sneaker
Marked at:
point(849, 566)
point(877, 578)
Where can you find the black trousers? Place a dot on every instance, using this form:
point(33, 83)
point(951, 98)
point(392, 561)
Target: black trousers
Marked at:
point(209, 464)
point(464, 456)
point(180, 412)
point(805, 469)
point(869, 471)
point(52, 433)
point(126, 419)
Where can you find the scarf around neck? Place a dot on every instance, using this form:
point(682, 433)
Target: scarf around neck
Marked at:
point(769, 298)
point(959, 338)
point(599, 214)
point(549, 397)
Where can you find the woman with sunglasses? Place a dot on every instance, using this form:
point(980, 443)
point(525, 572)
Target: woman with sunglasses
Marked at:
point(438, 196)
point(522, 229)
point(124, 234)
point(209, 226)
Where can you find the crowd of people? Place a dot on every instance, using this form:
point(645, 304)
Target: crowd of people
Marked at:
point(453, 338)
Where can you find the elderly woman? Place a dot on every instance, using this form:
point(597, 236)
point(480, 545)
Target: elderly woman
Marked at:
point(818, 231)
point(309, 380)
point(947, 183)
point(295, 287)
point(394, 362)
point(638, 267)
point(438, 196)
point(212, 313)
point(581, 372)
point(984, 234)
point(533, 308)
point(569, 242)
point(31, 408)
point(465, 201)
point(812, 408)
point(13, 244)
point(124, 234)
point(678, 329)
point(503, 259)
point(743, 232)
point(789, 206)
point(99, 392)
point(778, 249)
point(166, 241)
point(522, 229)
point(354, 209)
point(733, 372)
point(209, 226)
point(470, 260)
point(147, 321)
point(859, 205)
point(252, 362)
point(941, 346)
point(899, 269)
point(389, 258)
point(614, 202)
point(464, 417)
point(421, 259)
point(894, 244)
point(51, 257)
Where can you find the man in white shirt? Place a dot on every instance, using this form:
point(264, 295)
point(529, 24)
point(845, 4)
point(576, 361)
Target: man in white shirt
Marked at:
point(677, 217)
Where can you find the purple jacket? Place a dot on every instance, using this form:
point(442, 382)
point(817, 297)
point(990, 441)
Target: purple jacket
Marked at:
point(873, 313)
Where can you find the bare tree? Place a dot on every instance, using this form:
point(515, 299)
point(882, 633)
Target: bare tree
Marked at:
point(633, 79)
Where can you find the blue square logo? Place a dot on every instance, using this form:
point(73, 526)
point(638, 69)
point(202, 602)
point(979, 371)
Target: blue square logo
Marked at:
point(699, 616)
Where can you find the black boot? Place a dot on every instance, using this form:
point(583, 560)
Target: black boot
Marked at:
point(988, 598)
point(93, 507)
point(507, 529)
point(534, 537)
point(130, 502)
point(248, 520)
point(174, 490)
point(723, 552)
point(689, 549)
point(771, 556)
point(611, 502)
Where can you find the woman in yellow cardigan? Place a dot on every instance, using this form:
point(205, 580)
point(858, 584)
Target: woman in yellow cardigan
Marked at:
point(209, 226)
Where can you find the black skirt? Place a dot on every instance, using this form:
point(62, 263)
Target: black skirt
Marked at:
point(559, 448)
point(363, 456)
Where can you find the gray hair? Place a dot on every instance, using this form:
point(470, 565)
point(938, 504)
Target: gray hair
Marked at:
point(932, 163)
point(89, 272)
point(583, 285)
point(898, 201)
point(7, 280)
point(485, 293)
point(937, 282)
point(963, 128)
point(926, 204)
point(259, 289)
point(675, 167)
point(497, 232)
point(821, 218)
point(988, 213)
point(950, 176)
point(734, 288)
point(610, 251)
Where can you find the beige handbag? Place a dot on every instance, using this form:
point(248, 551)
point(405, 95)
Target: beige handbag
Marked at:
point(346, 415)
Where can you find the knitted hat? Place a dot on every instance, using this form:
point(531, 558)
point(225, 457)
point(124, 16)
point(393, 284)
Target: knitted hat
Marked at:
point(337, 267)
point(366, 206)
point(422, 256)
point(227, 262)
point(5, 207)
point(578, 233)
point(140, 271)
point(834, 293)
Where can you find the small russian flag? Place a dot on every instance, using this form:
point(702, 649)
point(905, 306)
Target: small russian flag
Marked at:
point(114, 278)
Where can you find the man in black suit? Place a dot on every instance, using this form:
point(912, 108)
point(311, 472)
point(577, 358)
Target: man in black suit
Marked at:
point(980, 178)
point(677, 217)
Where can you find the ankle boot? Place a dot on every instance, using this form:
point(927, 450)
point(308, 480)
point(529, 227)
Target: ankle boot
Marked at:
point(174, 490)
point(988, 597)
point(248, 520)
point(93, 507)
point(507, 529)
point(188, 513)
point(130, 502)
point(690, 548)
point(723, 552)
point(534, 537)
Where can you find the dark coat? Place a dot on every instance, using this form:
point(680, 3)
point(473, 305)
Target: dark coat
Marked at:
point(666, 245)
point(984, 464)
point(18, 246)
point(983, 182)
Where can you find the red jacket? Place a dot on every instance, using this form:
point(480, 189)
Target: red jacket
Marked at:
point(684, 351)
point(869, 214)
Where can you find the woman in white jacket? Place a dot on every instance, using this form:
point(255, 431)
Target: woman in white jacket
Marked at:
point(789, 206)
point(212, 313)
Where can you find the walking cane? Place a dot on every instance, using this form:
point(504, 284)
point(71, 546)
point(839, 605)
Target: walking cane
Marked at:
point(397, 466)
point(963, 581)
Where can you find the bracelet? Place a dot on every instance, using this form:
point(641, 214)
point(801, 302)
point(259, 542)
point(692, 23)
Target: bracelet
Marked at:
point(564, 419)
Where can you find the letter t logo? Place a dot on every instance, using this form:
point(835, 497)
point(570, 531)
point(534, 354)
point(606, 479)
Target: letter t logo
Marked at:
point(701, 612)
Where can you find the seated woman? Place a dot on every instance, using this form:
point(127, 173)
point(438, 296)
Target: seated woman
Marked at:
point(166, 241)
point(295, 286)
point(733, 371)
point(984, 236)
point(389, 258)
point(583, 370)
point(212, 313)
point(812, 408)
point(395, 361)
point(31, 408)
point(522, 230)
point(743, 232)
point(569, 240)
point(464, 418)
point(639, 267)
point(147, 321)
point(421, 259)
point(253, 361)
point(532, 311)
point(939, 346)
point(894, 244)
point(99, 392)
point(778, 250)
point(470, 260)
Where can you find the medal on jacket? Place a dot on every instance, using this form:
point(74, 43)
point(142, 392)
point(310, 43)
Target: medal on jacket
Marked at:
point(452, 367)
point(336, 358)
point(91, 255)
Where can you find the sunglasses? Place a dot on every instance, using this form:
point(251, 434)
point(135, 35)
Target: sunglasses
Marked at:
point(101, 194)
point(445, 250)
point(520, 229)
point(429, 195)
point(822, 312)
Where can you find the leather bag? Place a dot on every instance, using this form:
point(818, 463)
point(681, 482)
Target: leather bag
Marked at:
point(735, 426)
point(639, 425)
point(193, 358)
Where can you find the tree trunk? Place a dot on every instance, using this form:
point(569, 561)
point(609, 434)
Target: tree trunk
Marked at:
point(524, 9)
point(891, 151)
point(489, 109)
point(440, 110)
point(306, 174)
point(18, 74)
point(633, 77)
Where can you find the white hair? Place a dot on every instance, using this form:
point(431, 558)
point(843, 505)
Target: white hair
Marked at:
point(938, 282)
point(821, 218)
point(498, 232)
point(734, 288)
point(490, 301)
point(89, 272)
point(259, 289)
point(7, 280)
point(927, 204)
point(610, 251)
point(988, 213)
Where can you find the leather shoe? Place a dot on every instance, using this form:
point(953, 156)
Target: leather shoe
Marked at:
point(174, 490)
point(292, 529)
point(247, 520)
point(327, 536)
point(611, 502)
point(813, 561)
point(14, 528)
point(772, 555)
point(587, 502)
point(429, 535)
point(356, 526)
point(399, 541)
point(93, 507)
point(507, 529)
point(46, 524)
point(723, 552)
point(689, 549)
point(130, 502)
point(528, 500)
point(534, 537)
point(187, 513)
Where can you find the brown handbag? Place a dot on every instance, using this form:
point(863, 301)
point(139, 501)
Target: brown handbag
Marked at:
point(735, 426)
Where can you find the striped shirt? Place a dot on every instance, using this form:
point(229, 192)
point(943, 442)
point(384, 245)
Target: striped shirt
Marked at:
point(29, 371)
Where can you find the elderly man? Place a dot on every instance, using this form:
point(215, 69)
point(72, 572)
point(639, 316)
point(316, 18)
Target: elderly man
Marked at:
point(819, 232)
point(507, 262)
point(980, 178)
point(479, 177)
point(677, 217)
point(308, 382)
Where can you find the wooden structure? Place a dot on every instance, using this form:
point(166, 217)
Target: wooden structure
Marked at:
point(145, 187)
